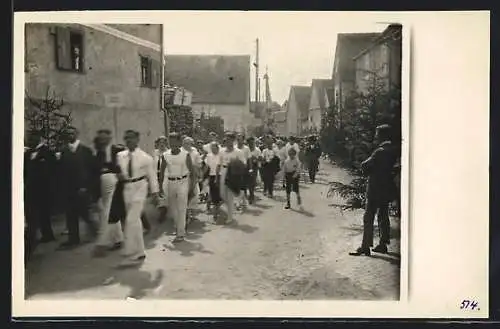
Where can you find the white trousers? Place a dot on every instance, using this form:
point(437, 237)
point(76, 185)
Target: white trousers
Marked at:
point(109, 234)
point(227, 195)
point(177, 196)
point(193, 203)
point(134, 195)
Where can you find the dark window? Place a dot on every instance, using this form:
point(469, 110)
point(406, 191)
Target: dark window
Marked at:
point(76, 42)
point(69, 49)
point(150, 74)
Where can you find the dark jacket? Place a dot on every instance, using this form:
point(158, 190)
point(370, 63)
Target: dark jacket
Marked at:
point(39, 175)
point(379, 169)
point(236, 175)
point(117, 212)
point(78, 169)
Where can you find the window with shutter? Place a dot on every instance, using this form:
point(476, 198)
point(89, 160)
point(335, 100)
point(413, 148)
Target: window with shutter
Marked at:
point(69, 49)
point(146, 71)
point(63, 48)
point(155, 74)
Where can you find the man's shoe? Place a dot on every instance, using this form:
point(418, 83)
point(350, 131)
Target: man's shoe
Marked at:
point(381, 248)
point(287, 206)
point(360, 252)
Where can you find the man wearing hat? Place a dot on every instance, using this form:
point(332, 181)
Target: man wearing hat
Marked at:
point(179, 176)
point(380, 191)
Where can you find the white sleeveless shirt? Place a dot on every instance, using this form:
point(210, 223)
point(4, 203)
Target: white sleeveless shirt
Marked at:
point(176, 164)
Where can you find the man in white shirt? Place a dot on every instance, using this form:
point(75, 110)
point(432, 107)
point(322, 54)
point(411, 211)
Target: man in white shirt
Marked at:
point(270, 168)
point(178, 182)
point(292, 143)
point(138, 174)
point(159, 160)
point(212, 136)
point(240, 145)
point(213, 162)
point(194, 193)
point(229, 154)
point(253, 167)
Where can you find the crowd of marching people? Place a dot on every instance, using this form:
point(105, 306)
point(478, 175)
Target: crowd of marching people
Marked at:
point(117, 181)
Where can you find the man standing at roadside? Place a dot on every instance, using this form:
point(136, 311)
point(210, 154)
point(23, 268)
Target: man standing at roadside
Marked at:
point(380, 191)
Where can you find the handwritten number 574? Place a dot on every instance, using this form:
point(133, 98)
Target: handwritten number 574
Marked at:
point(469, 305)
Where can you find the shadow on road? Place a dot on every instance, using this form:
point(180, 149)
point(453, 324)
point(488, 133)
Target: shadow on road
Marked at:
point(253, 212)
point(261, 206)
point(242, 227)
point(197, 228)
point(304, 212)
point(387, 258)
point(187, 248)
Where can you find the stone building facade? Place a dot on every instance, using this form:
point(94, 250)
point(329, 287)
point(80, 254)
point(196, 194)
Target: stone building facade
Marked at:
point(108, 75)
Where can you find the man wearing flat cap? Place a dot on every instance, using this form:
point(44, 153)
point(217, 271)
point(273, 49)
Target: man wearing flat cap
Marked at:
point(380, 191)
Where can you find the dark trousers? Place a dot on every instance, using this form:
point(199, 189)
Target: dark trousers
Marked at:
point(313, 169)
point(381, 209)
point(252, 182)
point(78, 206)
point(30, 233)
point(214, 189)
point(268, 178)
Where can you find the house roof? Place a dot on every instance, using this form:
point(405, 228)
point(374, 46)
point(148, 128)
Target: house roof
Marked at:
point(348, 46)
point(302, 98)
point(213, 79)
point(279, 116)
point(392, 32)
point(321, 85)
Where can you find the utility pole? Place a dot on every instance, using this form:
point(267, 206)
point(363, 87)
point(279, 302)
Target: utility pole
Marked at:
point(166, 117)
point(256, 64)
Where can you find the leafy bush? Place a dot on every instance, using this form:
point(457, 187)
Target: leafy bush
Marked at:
point(348, 135)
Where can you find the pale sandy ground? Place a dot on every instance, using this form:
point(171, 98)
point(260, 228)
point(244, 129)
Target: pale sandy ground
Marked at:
point(270, 253)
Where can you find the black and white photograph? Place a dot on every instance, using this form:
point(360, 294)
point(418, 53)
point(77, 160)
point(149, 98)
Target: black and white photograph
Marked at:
point(223, 156)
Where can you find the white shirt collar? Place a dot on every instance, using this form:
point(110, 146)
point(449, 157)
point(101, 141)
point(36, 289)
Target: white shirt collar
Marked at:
point(73, 146)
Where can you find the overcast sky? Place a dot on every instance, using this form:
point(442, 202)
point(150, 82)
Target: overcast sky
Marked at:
point(296, 46)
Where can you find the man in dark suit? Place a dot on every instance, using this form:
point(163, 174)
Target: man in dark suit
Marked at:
point(39, 163)
point(78, 170)
point(380, 191)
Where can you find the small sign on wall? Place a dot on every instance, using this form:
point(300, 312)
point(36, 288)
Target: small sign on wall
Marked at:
point(114, 100)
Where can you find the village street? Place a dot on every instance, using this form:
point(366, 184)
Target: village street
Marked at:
point(269, 253)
